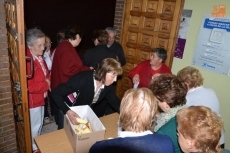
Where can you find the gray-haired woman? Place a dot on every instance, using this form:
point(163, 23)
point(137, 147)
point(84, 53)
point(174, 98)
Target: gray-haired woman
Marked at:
point(39, 83)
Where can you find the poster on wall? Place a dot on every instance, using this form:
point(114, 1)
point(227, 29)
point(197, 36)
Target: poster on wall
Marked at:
point(212, 49)
point(182, 34)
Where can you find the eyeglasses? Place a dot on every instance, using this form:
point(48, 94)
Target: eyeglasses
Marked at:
point(42, 46)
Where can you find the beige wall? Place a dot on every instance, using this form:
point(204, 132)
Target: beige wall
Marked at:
point(220, 83)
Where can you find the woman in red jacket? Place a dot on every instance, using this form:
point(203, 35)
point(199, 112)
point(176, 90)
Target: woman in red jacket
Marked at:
point(142, 74)
point(66, 63)
point(39, 83)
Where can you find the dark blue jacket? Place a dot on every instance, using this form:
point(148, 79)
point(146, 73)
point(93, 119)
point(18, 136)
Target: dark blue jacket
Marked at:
point(151, 143)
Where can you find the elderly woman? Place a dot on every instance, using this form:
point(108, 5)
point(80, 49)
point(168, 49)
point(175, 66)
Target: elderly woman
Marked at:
point(197, 94)
point(142, 74)
point(137, 112)
point(170, 93)
point(39, 83)
point(93, 88)
point(199, 130)
point(48, 52)
point(66, 63)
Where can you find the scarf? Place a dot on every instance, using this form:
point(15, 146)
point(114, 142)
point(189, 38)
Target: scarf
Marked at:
point(164, 117)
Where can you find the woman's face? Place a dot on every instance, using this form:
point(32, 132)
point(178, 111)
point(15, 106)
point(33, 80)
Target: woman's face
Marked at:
point(96, 42)
point(163, 105)
point(38, 47)
point(110, 78)
point(183, 142)
point(155, 60)
point(77, 41)
point(47, 43)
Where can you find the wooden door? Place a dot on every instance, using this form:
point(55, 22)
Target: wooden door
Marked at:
point(148, 24)
point(16, 46)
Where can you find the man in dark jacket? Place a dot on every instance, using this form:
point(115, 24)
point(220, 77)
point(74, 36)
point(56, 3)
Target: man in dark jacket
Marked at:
point(115, 46)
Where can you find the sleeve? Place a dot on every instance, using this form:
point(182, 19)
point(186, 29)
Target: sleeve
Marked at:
point(136, 70)
point(86, 59)
point(36, 86)
point(60, 93)
point(121, 55)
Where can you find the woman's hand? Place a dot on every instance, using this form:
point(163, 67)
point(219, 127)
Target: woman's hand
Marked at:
point(136, 79)
point(156, 75)
point(72, 116)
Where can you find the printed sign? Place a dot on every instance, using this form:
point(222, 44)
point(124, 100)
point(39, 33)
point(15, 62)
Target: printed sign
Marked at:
point(212, 50)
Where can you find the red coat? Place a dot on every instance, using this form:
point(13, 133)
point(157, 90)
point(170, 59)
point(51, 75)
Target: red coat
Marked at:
point(37, 85)
point(146, 72)
point(66, 63)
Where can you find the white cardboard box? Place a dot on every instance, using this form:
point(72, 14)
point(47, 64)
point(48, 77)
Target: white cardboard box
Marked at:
point(81, 143)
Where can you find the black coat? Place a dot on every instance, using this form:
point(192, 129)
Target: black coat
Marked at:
point(119, 52)
point(83, 84)
point(94, 56)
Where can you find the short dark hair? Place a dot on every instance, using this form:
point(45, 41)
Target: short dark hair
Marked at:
point(60, 35)
point(161, 53)
point(72, 31)
point(167, 88)
point(101, 35)
point(105, 66)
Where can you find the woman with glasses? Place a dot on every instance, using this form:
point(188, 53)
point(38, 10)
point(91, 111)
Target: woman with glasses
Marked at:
point(142, 74)
point(38, 83)
point(48, 52)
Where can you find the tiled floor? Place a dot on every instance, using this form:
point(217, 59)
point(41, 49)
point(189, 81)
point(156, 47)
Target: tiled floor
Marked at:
point(49, 124)
point(49, 127)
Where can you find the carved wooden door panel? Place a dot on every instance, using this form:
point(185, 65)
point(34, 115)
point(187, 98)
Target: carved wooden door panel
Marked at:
point(148, 24)
point(16, 46)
